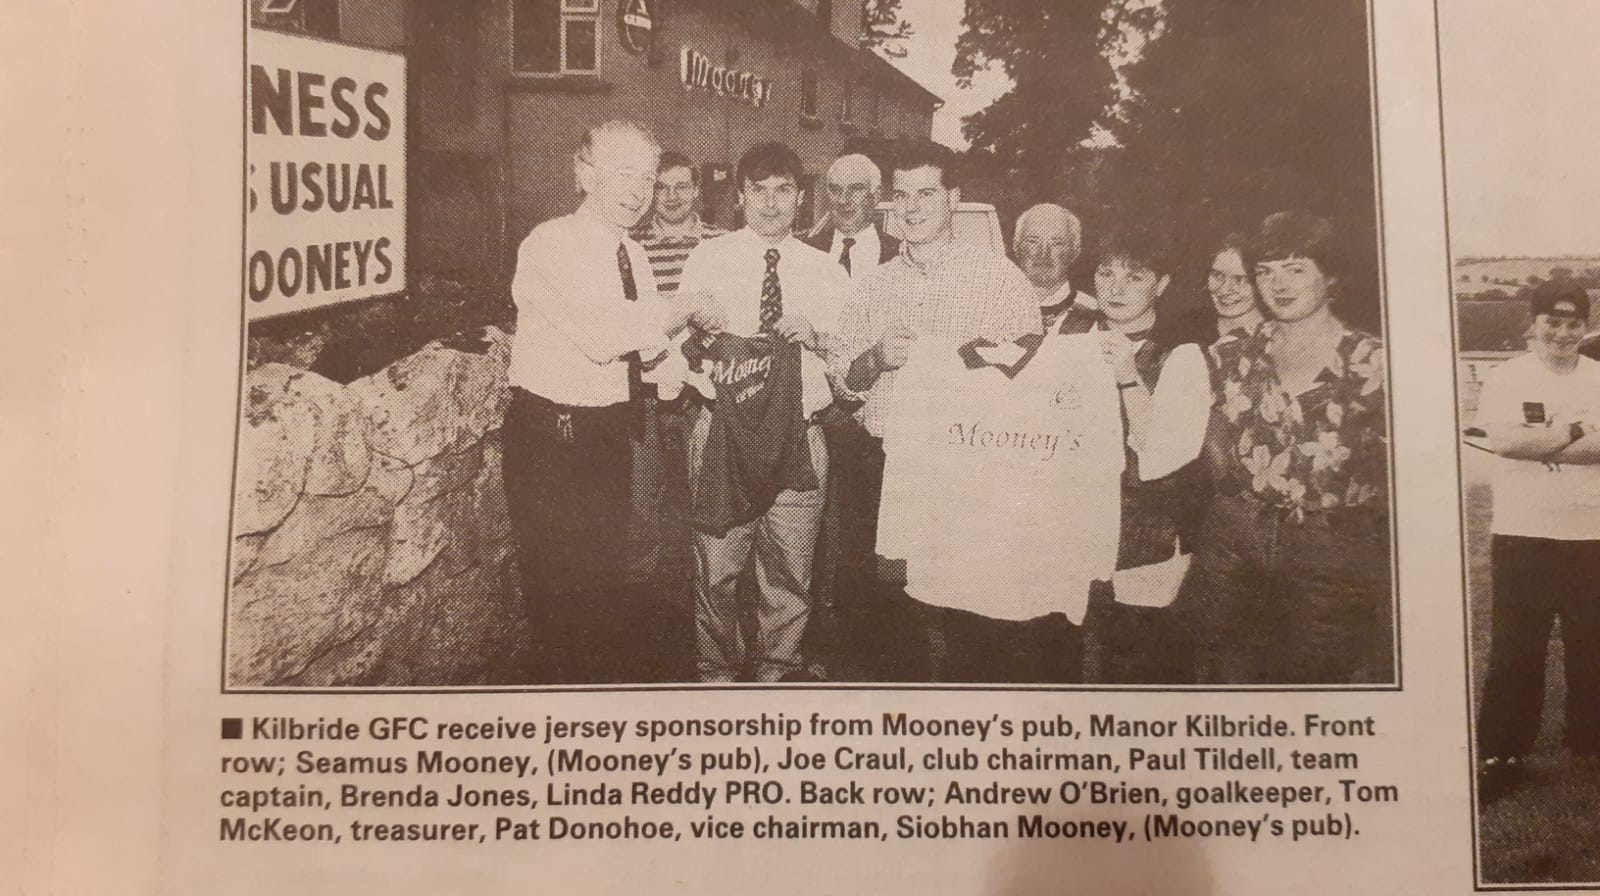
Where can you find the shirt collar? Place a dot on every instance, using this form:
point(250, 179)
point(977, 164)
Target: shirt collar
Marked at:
point(599, 225)
point(691, 229)
point(955, 254)
point(1064, 297)
point(866, 236)
point(783, 246)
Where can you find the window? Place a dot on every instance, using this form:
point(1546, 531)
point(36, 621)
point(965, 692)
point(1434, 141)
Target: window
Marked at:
point(555, 37)
point(847, 103)
point(808, 94)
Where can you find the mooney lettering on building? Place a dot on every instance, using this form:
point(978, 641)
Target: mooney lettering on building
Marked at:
point(326, 176)
point(699, 73)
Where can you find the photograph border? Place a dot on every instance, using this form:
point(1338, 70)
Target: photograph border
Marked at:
point(1384, 309)
point(1468, 679)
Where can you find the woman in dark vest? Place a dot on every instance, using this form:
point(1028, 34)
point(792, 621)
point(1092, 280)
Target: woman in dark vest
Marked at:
point(1135, 631)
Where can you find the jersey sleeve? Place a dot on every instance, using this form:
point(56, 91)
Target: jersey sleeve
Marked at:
point(1180, 410)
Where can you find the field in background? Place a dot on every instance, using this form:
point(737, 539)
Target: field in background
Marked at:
point(1548, 830)
point(1472, 275)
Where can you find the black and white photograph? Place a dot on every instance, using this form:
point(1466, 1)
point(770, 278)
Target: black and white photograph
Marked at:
point(844, 343)
point(1525, 246)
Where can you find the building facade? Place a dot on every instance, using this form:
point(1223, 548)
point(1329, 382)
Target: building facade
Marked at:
point(502, 90)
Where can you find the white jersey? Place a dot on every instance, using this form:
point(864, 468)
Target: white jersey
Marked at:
point(1002, 493)
point(1534, 499)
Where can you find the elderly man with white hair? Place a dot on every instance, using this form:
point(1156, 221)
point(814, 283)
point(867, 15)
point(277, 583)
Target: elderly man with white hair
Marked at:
point(590, 330)
point(848, 231)
point(1047, 240)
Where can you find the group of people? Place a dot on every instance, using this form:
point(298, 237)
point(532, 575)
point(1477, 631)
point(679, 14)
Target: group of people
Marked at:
point(733, 391)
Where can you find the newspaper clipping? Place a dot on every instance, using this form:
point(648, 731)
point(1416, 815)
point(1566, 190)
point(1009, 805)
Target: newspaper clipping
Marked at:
point(861, 446)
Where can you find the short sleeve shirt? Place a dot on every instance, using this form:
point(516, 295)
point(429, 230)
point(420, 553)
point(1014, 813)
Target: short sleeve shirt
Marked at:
point(1323, 449)
point(1532, 498)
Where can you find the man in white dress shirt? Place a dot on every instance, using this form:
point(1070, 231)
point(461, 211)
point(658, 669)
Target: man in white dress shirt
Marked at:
point(589, 326)
point(939, 287)
point(847, 565)
point(850, 232)
point(739, 270)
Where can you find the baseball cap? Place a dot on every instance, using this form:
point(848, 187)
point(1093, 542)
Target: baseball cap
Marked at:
point(1564, 299)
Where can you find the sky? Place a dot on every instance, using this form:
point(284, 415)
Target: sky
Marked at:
point(935, 25)
point(1522, 138)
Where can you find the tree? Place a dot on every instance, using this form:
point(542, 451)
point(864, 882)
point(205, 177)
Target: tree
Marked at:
point(883, 29)
point(1063, 83)
point(1222, 111)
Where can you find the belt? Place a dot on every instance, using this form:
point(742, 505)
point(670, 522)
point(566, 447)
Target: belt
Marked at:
point(571, 423)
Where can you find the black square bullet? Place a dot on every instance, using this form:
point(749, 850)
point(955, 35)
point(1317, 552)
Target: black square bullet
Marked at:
point(232, 729)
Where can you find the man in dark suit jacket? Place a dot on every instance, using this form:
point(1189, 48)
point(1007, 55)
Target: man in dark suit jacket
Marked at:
point(846, 573)
point(848, 231)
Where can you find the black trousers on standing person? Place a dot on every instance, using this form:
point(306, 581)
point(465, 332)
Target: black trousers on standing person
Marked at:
point(567, 491)
point(1536, 582)
point(847, 551)
point(969, 648)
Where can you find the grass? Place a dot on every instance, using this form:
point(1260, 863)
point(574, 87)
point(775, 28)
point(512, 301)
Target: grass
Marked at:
point(1548, 830)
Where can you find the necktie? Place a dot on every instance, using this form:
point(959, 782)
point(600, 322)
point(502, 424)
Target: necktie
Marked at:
point(771, 293)
point(844, 256)
point(630, 292)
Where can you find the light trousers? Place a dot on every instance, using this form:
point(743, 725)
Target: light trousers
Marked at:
point(781, 543)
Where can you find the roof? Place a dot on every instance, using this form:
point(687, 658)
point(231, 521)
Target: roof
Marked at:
point(785, 20)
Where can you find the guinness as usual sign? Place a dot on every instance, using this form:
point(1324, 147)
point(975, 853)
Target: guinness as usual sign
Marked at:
point(698, 73)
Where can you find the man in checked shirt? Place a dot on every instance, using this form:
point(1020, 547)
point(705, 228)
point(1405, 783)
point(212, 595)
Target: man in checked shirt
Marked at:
point(935, 287)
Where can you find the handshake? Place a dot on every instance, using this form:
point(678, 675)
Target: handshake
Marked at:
point(698, 310)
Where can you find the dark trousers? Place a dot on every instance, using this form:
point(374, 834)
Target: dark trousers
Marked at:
point(1275, 600)
point(1137, 645)
point(567, 491)
point(858, 628)
point(969, 648)
point(1536, 582)
point(858, 471)
point(659, 543)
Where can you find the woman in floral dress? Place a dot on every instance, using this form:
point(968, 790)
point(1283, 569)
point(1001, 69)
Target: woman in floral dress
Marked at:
point(1291, 582)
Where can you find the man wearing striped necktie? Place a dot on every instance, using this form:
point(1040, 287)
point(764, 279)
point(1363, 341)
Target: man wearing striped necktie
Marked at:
point(775, 288)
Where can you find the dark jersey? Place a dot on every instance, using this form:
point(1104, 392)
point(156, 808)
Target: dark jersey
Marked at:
point(757, 444)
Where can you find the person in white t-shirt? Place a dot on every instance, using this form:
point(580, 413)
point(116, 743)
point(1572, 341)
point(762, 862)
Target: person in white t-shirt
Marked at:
point(1541, 411)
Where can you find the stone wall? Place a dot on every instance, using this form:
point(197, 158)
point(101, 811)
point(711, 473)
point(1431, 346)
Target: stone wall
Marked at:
point(371, 543)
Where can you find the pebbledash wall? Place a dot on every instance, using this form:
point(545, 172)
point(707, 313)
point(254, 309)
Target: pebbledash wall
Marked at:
point(493, 145)
point(371, 544)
